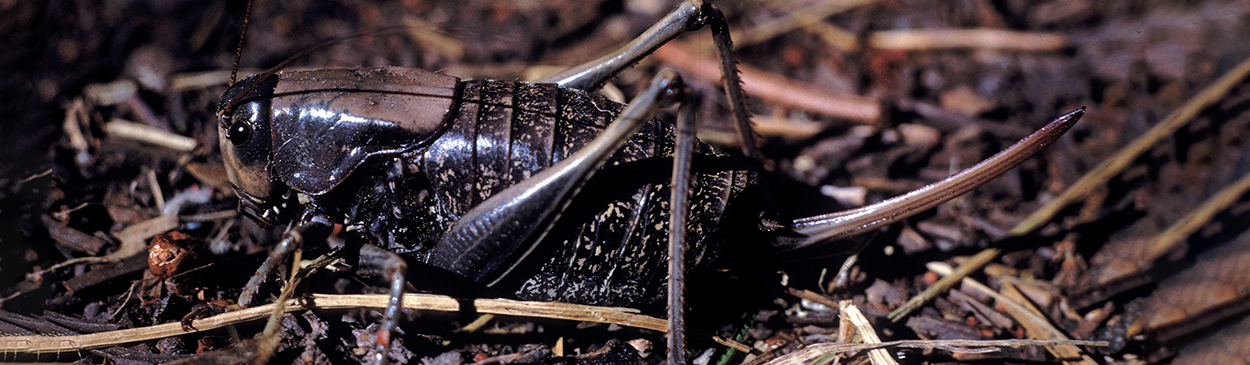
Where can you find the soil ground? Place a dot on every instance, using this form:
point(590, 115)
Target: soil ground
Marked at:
point(1107, 267)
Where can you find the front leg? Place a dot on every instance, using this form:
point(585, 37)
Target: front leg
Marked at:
point(375, 260)
point(312, 227)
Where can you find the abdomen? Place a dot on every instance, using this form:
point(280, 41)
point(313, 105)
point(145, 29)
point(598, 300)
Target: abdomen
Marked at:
point(609, 247)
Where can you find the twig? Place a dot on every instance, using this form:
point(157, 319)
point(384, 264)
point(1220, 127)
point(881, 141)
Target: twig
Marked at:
point(813, 296)
point(786, 127)
point(269, 339)
point(774, 88)
point(732, 344)
point(477, 324)
point(155, 186)
point(126, 129)
point(75, 116)
point(103, 273)
point(75, 261)
point(930, 39)
point(203, 80)
point(572, 312)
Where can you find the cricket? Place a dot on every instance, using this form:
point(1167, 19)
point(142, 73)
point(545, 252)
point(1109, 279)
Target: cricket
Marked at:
point(474, 195)
point(473, 177)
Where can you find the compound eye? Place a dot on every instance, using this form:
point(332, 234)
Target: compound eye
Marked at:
point(240, 132)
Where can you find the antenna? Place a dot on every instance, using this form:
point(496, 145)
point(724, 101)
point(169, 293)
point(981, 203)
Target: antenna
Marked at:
point(238, 53)
point(261, 76)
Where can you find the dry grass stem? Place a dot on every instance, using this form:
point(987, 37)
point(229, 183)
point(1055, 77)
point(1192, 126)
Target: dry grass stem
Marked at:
point(1029, 317)
point(974, 263)
point(867, 334)
point(931, 39)
point(143, 133)
point(774, 88)
point(809, 17)
point(426, 34)
point(1112, 166)
point(732, 344)
point(770, 126)
point(812, 352)
point(1167, 241)
point(206, 79)
point(72, 126)
point(572, 312)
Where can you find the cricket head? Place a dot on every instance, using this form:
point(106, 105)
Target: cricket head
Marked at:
point(247, 147)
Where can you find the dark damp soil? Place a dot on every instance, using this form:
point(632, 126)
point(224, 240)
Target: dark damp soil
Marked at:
point(74, 189)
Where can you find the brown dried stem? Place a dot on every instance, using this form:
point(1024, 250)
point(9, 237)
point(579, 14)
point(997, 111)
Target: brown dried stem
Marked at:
point(573, 312)
point(774, 88)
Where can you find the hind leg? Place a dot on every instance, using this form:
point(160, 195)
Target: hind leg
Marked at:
point(689, 16)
